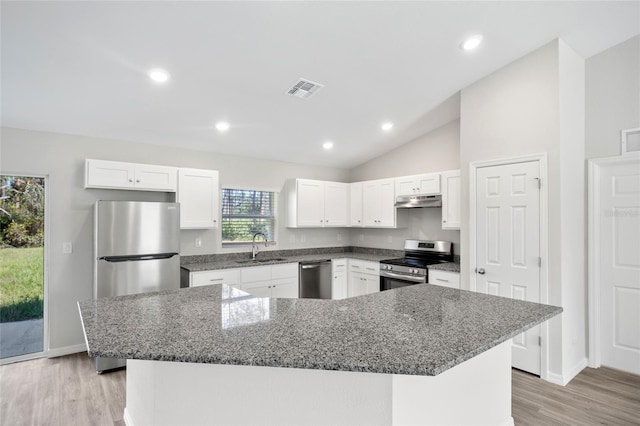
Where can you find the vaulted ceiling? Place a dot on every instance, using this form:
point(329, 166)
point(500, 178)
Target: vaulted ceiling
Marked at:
point(81, 68)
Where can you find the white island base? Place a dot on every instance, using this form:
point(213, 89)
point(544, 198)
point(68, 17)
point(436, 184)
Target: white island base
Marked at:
point(476, 392)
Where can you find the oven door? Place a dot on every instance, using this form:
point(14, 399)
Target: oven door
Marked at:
point(391, 280)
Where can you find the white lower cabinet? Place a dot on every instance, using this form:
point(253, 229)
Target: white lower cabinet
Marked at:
point(364, 277)
point(339, 288)
point(271, 281)
point(221, 276)
point(445, 278)
point(261, 281)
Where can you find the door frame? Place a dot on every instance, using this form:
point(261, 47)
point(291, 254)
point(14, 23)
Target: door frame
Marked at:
point(544, 240)
point(594, 217)
point(45, 271)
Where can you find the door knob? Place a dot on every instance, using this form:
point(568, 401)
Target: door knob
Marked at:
point(480, 271)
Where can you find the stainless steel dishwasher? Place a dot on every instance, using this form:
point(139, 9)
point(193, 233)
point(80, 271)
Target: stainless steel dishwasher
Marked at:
point(315, 279)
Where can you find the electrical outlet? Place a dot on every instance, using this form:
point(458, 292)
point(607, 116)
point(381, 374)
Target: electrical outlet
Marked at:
point(198, 242)
point(361, 237)
point(303, 238)
point(67, 248)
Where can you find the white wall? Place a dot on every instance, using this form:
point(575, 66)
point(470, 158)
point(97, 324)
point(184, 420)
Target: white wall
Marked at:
point(61, 158)
point(573, 277)
point(536, 105)
point(435, 151)
point(612, 97)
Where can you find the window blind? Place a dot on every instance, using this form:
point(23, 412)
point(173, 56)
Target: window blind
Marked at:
point(245, 212)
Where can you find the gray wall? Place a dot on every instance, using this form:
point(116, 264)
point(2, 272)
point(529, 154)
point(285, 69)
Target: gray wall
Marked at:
point(613, 97)
point(69, 206)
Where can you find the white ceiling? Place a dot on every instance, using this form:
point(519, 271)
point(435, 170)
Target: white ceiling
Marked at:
point(80, 68)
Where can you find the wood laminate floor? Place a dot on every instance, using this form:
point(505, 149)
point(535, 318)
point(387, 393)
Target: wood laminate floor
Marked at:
point(67, 391)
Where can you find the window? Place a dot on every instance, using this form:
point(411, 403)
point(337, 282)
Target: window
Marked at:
point(245, 212)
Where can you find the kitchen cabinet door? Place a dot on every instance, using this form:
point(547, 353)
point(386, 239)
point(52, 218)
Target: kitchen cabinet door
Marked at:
point(386, 200)
point(199, 198)
point(339, 289)
point(355, 204)
point(310, 203)
point(286, 288)
point(109, 174)
point(378, 203)
point(372, 283)
point(131, 176)
point(425, 184)
point(155, 178)
point(336, 198)
point(258, 288)
point(451, 198)
point(357, 284)
point(444, 278)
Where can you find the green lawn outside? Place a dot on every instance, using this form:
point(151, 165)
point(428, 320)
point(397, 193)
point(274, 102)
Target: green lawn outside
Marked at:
point(21, 283)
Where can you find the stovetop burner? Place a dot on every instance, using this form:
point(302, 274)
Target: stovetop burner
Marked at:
point(412, 262)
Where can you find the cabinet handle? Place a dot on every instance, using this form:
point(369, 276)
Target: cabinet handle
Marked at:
point(216, 279)
point(440, 279)
point(137, 180)
point(130, 180)
point(215, 220)
point(444, 221)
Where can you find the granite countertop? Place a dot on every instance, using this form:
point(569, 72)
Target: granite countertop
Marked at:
point(242, 262)
point(448, 267)
point(415, 330)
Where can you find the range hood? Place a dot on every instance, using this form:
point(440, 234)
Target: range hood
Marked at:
point(418, 201)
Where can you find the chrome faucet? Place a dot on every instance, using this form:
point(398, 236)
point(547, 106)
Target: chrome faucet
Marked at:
point(254, 246)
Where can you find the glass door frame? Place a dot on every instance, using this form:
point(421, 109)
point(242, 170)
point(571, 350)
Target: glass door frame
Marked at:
point(45, 273)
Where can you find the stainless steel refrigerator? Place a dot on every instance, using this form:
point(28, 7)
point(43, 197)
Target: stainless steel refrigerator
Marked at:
point(136, 247)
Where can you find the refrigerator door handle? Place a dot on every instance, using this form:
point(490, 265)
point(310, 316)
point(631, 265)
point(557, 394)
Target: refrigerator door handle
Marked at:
point(138, 257)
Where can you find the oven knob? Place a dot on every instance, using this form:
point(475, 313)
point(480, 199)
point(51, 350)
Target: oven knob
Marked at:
point(389, 267)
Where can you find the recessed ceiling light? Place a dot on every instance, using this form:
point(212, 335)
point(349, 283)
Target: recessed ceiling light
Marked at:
point(158, 75)
point(327, 145)
point(472, 42)
point(387, 126)
point(222, 126)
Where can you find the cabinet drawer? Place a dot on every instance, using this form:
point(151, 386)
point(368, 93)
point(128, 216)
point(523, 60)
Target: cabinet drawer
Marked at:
point(288, 270)
point(445, 279)
point(255, 273)
point(224, 276)
point(364, 266)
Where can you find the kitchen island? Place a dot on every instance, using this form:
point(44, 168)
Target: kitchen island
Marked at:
point(216, 355)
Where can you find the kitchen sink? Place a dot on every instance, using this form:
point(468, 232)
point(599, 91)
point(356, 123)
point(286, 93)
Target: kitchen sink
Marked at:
point(271, 259)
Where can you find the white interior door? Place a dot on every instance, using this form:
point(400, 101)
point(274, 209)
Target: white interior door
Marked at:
point(618, 193)
point(508, 244)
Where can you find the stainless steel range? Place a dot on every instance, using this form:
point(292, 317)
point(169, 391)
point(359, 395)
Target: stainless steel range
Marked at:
point(412, 268)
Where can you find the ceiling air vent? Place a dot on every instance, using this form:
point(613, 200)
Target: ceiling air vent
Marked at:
point(304, 89)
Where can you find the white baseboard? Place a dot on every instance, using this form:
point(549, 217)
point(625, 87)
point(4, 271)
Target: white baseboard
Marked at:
point(126, 418)
point(564, 379)
point(508, 422)
point(66, 350)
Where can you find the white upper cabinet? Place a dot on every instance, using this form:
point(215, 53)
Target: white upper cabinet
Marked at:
point(355, 204)
point(426, 184)
point(451, 198)
point(336, 198)
point(378, 198)
point(199, 198)
point(316, 203)
point(119, 175)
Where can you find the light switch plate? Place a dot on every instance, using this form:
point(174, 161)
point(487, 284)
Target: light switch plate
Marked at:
point(67, 248)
